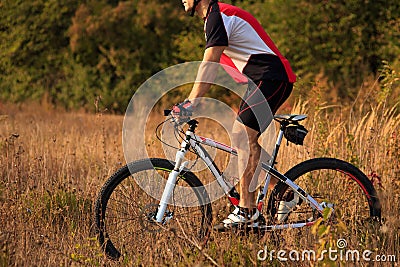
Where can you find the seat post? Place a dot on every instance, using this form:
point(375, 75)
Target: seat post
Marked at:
point(282, 127)
point(264, 189)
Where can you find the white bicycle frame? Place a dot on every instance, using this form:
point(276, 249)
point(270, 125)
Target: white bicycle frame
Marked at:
point(194, 141)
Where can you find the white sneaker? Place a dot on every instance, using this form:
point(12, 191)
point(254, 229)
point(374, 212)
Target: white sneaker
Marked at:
point(291, 200)
point(238, 218)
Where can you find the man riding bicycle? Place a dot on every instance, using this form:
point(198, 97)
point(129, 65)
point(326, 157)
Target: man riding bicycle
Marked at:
point(236, 39)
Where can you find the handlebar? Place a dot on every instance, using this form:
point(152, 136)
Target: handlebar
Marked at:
point(167, 112)
point(178, 119)
point(181, 120)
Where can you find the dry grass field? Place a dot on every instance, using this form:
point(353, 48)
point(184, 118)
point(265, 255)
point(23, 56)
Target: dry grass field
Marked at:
point(53, 164)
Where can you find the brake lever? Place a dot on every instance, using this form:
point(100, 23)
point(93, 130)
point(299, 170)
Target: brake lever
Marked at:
point(178, 120)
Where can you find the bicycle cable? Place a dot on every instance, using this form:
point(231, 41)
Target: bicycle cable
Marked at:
point(179, 137)
point(159, 138)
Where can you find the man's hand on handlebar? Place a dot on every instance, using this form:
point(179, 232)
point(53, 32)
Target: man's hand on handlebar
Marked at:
point(182, 111)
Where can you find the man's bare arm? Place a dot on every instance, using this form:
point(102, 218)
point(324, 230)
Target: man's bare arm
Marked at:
point(206, 73)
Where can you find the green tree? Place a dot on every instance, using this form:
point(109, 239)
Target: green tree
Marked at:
point(124, 44)
point(344, 40)
point(33, 45)
point(76, 51)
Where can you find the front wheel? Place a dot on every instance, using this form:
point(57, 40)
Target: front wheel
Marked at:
point(335, 182)
point(125, 213)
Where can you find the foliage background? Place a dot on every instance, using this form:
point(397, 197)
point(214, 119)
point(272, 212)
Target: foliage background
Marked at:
point(70, 53)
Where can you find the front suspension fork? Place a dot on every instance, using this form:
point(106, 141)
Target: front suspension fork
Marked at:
point(171, 182)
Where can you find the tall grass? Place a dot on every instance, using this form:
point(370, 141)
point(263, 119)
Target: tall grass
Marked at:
point(53, 163)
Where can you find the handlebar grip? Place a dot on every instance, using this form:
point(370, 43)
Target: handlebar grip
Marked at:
point(167, 112)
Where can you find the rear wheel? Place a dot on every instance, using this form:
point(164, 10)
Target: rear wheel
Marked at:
point(124, 212)
point(332, 181)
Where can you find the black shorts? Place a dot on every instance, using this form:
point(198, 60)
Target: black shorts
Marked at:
point(254, 111)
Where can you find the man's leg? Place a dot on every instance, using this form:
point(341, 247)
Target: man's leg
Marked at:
point(255, 113)
point(245, 139)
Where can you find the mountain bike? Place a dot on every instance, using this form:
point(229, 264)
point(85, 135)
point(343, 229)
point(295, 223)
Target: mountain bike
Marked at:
point(124, 213)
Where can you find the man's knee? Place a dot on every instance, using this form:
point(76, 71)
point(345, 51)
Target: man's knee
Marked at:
point(240, 141)
point(244, 138)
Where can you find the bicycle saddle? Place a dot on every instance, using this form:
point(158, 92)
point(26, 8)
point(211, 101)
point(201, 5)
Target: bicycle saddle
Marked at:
point(290, 117)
